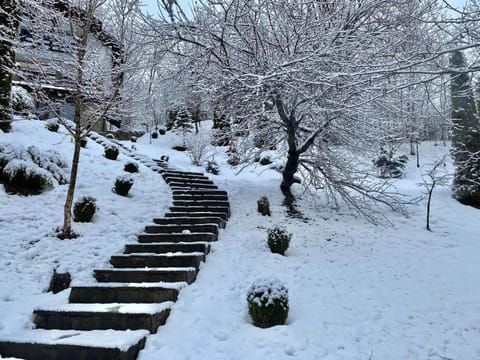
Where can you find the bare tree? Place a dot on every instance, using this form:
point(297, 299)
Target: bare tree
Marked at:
point(308, 73)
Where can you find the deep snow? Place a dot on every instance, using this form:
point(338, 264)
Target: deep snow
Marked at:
point(357, 291)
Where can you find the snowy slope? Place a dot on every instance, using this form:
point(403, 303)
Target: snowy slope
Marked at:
point(357, 291)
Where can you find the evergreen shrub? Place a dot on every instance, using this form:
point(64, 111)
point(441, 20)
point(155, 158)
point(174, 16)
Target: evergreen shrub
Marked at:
point(84, 209)
point(123, 185)
point(111, 152)
point(131, 167)
point(268, 303)
point(278, 240)
point(52, 125)
point(154, 135)
point(390, 166)
point(26, 178)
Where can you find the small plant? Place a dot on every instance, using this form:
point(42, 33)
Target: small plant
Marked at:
point(265, 160)
point(52, 125)
point(212, 167)
point(83, 142)
point(84, 209)
point(154, 135)
point(263, 206)
point(131, 167)
point(388, 165)
point(162, 131)
point(111, 152)
point(268, 303)
point(233, 160)
point(59, 281)
point(278, 240)
point(123, 185)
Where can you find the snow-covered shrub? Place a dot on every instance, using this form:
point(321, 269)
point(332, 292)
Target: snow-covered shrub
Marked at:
point(265, 160)
point(390, 166)
point(268, 303)
point(212, 167)
point(123, 185)
point(133, 139)
point(154, 134)
point(111, 152)
point(22, 101)
point(179, 148)
point(197, 145)
point(162, 131)
point(131, 167)
point(83, 142)
point(233, 160)
point(52, 125)
point(25, 177)
point(278, 240)
point(84, 209)
point(51, 161)
point(59, 282)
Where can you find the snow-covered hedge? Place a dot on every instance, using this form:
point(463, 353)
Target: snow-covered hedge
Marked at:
point(268, 303)
point(123, 184)
point(131, 167)
point(111, 152)
point(29, 170)
point(278, 240)
point(84, 209)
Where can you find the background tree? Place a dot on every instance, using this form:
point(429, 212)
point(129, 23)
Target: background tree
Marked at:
point(8, 33)
point(465, 133)
point(311, 70)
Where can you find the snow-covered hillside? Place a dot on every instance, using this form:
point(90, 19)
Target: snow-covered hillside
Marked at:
point(357, 291)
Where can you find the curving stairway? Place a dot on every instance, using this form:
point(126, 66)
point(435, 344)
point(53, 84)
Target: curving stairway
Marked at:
point(131, 299)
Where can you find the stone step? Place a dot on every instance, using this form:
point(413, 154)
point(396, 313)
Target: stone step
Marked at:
point(175, 238)
point(171, 229)
point(169, 179)
point(187, 274)
point(187, 214)
point(200, 197)
point(157, 260)
point(190, 221)
point(103, 316)
point(167, 248)
point(199, 192)
point(73, 344)
point(182, 173)
point(206, 203)
point(201, 209)
point(191, 185)
point(122, 294)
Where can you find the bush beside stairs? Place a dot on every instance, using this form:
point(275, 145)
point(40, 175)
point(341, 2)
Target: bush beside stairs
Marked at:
point(112, 319)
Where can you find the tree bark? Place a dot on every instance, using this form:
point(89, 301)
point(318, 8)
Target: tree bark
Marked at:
point(9, 23)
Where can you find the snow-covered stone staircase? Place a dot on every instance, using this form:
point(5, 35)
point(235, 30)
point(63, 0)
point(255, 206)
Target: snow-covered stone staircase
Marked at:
point(112, 318)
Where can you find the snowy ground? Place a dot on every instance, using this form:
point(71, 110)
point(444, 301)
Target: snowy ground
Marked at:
point(357, 291)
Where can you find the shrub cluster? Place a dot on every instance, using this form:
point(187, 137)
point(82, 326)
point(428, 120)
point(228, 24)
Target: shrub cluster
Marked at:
point(212, 167)
point(84, 209)
point(278, 240)
point(268, 303)
point(123, 185)
point(30, 171)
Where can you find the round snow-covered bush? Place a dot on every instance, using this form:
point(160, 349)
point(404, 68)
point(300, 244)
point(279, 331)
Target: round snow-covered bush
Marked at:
point(131, 167)
point(123, 185)
point(162, 131)
point(83, 142)
point(111, 152)
point(22, 101)
point(268, 303)
point(25, 177)
point(278, 240)
point(154, 135)
point(84, 209)
point(52, 125)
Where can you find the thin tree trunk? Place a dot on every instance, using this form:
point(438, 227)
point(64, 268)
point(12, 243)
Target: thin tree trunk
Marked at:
point(430, 192)
point(288, 177)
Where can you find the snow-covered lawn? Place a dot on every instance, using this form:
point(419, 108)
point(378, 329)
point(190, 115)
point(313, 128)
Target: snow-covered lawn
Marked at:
point(357, 291)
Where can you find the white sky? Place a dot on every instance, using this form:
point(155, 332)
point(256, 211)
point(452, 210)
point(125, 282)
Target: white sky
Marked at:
point(152, 8)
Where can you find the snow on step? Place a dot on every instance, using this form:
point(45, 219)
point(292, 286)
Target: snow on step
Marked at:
point(161, 284)
point(111, 339)
point(168, 254)
point(135, 308)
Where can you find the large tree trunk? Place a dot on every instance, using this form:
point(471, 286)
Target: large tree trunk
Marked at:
point(9, 25)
